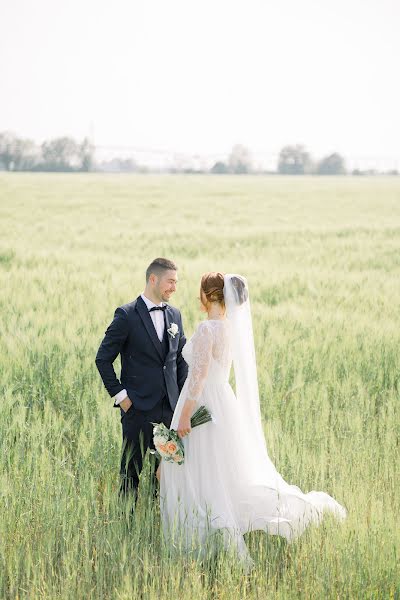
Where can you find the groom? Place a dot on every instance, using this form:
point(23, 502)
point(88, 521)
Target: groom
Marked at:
point(148, 334)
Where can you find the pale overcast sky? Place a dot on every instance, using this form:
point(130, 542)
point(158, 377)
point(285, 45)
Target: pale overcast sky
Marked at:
point(202, 76)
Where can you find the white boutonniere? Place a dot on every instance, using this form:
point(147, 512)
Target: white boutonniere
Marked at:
point(173, 330)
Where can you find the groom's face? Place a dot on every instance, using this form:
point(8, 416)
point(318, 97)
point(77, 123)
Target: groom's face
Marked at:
point(165, 284)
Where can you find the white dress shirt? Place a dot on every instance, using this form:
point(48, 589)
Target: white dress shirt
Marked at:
point(157, 316)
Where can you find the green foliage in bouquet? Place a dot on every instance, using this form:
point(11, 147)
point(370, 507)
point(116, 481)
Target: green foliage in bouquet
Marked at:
point(167, 442)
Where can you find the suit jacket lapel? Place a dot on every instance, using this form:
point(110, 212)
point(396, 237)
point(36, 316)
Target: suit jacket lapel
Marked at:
point(148, 323)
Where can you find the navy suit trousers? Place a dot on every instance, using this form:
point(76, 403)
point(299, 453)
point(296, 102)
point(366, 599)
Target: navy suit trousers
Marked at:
point(137, 437)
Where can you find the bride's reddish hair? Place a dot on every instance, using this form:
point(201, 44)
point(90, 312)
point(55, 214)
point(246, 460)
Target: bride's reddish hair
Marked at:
point(212, 284)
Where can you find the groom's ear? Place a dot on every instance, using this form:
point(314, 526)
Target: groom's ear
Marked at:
point(153, 278)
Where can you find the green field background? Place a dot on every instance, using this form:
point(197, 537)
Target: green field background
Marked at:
point(322, 258)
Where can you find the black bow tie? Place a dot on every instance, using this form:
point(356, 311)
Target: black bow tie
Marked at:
point(163, 308)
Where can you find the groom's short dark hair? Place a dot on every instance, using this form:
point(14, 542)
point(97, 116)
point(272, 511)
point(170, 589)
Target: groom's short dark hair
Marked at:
point(159, 265)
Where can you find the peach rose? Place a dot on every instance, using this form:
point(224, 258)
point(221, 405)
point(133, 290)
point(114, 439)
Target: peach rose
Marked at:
point(171, 447)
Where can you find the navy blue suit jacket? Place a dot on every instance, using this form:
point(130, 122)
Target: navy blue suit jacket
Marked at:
point(147, 373)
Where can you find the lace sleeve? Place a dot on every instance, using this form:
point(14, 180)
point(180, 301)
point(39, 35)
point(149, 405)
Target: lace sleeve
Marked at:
point(202, 347)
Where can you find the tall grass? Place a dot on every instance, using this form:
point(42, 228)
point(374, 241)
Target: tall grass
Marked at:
point(323, 263)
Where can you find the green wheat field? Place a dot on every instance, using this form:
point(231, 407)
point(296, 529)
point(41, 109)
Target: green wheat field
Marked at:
point(322, 257)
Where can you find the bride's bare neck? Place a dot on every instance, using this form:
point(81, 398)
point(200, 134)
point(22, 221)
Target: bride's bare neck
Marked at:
point(216, 311)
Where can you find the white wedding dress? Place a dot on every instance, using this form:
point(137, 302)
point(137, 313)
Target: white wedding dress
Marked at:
point(228, 482)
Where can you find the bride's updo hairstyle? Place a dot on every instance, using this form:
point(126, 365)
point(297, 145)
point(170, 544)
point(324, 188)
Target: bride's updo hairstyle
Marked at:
point(240, 289)
point(212, 284)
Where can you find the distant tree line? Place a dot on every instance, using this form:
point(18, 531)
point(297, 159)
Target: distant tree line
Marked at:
point(59, 154)
point(67, 155)
point(292, 160)
point(295, 160)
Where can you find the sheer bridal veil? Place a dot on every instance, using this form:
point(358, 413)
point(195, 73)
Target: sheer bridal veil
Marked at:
point(292, 504)
point(238, 312)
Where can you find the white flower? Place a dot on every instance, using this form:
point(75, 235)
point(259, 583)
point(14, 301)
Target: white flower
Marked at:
point(158, 440)
point(173, 330)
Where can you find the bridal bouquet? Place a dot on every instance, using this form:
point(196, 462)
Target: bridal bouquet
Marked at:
point(168, 444)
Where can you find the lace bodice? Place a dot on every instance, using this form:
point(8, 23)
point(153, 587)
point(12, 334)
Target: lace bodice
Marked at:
point(208, 354)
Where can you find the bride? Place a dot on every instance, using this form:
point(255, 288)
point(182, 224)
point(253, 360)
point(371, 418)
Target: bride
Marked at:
point(228, 483)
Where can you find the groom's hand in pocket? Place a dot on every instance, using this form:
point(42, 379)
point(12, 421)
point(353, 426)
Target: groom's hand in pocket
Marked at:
point(125, 404)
